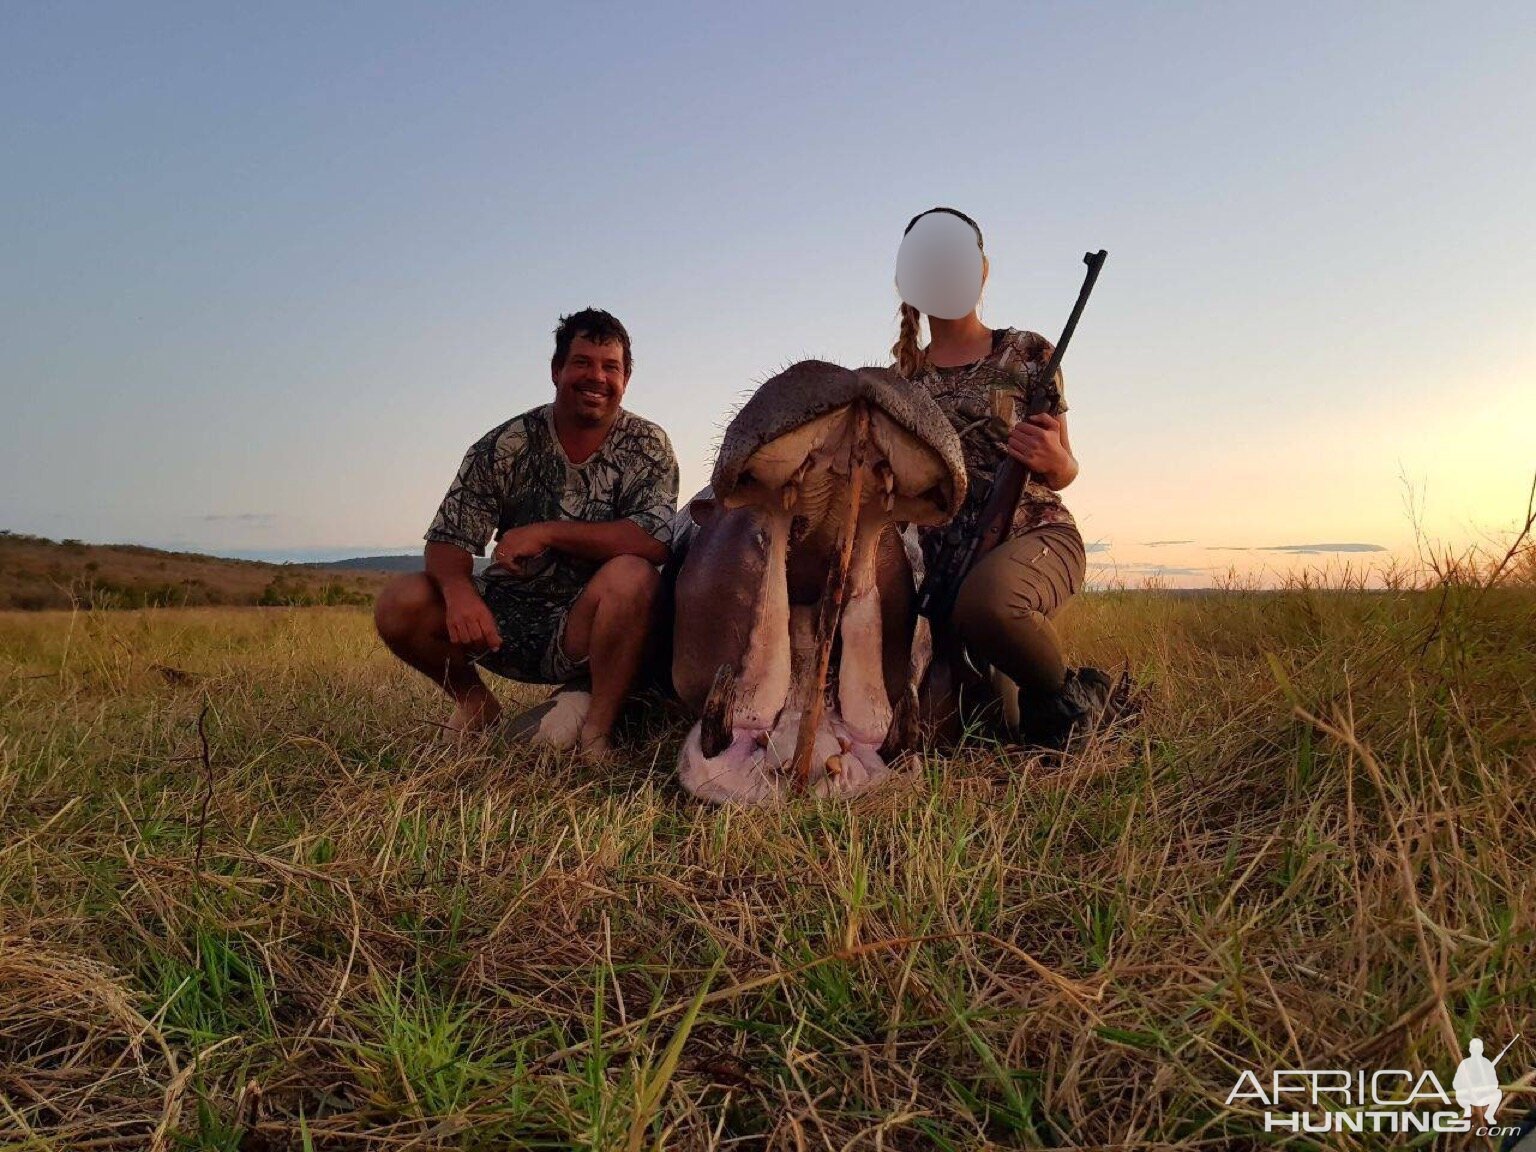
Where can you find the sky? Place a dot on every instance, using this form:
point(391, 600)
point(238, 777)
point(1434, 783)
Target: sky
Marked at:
point(267, 270)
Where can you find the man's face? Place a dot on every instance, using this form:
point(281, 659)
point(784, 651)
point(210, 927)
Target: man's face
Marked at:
point(591, 382)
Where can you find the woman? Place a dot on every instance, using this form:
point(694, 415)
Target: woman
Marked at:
point(981, 377)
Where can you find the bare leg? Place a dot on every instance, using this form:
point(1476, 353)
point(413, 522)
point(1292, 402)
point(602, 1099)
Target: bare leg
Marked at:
point(411, 620)
point(608, 625)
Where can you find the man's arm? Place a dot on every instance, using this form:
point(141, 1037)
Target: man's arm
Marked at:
point(605, 541)
point(590, 541)
point(451, 567)
point(469, 619)
point(646, 500)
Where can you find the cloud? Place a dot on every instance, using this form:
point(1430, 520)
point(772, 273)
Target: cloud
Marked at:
point(1097, 546)
point(238, 518)
point(1313, 549)
point(1143, 569)
point(1296, 549)
point(1163, 543)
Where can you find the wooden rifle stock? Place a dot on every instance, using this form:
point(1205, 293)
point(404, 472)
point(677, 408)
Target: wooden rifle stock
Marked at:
point(961, 550)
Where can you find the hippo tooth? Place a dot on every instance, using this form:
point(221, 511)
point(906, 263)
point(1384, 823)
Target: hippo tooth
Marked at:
point(861, 689)
point(715, 726)
point(888, 483)
point(903, 734)
point(790, 495)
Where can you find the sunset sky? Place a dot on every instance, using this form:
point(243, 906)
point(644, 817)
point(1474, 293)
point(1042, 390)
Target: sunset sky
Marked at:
point(266, 271)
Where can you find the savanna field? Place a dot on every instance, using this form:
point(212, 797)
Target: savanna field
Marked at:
point(251, 899)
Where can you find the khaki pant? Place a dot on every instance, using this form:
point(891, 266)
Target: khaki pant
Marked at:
point(1004, 610)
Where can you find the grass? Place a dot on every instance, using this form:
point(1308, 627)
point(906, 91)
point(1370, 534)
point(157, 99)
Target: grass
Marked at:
point(1316, 850)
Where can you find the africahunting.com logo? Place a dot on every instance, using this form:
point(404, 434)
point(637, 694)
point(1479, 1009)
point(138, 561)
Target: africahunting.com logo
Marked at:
point(1383, 1100)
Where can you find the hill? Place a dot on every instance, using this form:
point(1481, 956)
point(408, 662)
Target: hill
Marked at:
point(410, 562)
point(404, 563)
point(36, 573)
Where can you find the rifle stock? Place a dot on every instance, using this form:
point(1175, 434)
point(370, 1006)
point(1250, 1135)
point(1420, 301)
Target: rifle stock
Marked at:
point(961, 550)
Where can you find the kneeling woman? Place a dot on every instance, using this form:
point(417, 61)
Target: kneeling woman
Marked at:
point(980, 376)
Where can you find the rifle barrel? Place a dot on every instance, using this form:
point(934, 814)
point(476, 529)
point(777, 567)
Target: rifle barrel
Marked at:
point(1095, 261)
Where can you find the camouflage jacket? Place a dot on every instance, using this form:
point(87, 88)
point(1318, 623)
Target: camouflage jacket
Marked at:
point(519, 474)
point(980, 400)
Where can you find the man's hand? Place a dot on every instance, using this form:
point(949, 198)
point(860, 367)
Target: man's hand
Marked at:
point(1037, 444)
point(519, 544)
point(470, 622)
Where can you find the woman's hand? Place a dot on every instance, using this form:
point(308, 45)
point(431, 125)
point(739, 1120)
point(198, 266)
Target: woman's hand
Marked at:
point(1040, 444)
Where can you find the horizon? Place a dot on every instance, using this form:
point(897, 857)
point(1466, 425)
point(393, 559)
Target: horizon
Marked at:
point(1321, 565)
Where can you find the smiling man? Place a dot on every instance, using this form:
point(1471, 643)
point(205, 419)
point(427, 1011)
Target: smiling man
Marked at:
point(579, 494)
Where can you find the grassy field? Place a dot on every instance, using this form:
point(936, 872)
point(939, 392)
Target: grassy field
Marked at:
point(249, 898)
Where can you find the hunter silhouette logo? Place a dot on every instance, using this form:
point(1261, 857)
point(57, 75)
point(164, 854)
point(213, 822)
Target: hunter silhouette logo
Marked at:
point(1394, 1100)
point(1477, 1083)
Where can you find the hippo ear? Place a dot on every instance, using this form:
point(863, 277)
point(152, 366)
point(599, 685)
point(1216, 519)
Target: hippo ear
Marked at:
point(703, 510)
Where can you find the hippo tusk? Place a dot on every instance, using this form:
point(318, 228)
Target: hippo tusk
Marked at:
point(903, 735)
point(831, 607)
point(715, 725)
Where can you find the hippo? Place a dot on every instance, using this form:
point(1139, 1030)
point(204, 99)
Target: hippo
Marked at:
point(794, 593)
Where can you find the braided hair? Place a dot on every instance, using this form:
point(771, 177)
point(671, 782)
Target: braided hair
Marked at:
point(908, 353)
point(910, 357)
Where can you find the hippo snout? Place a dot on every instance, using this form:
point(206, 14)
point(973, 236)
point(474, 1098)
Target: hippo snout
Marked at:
point(823, 467)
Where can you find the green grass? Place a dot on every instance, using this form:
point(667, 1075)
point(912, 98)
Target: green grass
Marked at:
point(1317, 847)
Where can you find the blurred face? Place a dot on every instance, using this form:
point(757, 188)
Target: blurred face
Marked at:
point(591, 382)
point(940, 267)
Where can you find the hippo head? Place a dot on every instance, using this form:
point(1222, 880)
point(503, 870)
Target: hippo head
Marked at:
point(817, 475)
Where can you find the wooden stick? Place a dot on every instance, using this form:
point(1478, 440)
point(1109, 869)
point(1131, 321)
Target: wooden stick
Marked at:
point(832, 599)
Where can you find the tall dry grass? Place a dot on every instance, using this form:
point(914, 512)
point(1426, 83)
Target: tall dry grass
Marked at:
point(335, 931)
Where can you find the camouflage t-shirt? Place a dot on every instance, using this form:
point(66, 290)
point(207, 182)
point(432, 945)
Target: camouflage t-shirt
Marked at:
point(519, 474)
point(982, 401)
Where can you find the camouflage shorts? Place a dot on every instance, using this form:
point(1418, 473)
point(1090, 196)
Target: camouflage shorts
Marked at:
point(532, 635)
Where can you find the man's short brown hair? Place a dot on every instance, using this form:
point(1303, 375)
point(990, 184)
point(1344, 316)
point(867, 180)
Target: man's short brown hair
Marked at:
point(592, 324)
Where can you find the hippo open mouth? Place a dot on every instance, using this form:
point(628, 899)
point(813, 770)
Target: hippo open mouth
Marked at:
point(794, 603)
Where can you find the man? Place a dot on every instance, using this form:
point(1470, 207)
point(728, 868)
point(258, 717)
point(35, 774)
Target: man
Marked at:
point(579, 494)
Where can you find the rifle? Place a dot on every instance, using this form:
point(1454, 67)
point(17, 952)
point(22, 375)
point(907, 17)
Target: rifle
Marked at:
point(960, 551)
